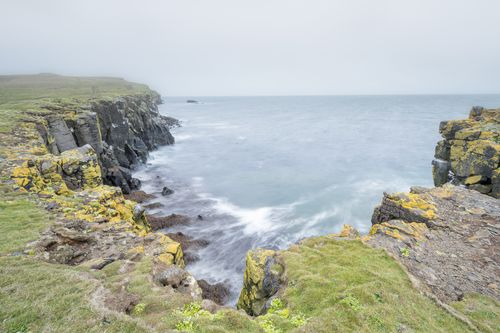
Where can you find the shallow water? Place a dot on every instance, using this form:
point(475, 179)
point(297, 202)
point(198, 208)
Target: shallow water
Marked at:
point(268, 171)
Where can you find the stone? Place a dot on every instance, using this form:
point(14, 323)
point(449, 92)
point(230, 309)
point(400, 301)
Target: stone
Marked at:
point(262, 280)
point(171, 276)
point(218, 292)
point(440, 172)
point(445, 249)
point(470, 151)
point(166, 191)
point(473, 179)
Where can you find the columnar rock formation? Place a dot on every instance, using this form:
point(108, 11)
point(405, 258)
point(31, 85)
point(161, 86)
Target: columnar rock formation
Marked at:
point(121, 131)
point(469, 154)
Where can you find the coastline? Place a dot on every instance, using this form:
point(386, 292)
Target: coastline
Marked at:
point(92, 227)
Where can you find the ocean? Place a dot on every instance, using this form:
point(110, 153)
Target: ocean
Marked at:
point(268, 171)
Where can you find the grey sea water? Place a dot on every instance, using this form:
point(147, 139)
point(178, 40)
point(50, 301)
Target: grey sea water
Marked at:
point(268, 171)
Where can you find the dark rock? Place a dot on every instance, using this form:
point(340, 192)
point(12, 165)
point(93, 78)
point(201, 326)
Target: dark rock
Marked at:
point(166, 191)
point(218, 293)
point(139, 196)
point(62, 135)
point(440, 172)
point(192, 101)
point(160, 222)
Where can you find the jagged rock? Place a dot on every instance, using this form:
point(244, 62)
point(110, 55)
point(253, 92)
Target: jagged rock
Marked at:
point(262, 280)
point(166, 191)
point(470, 151)
point(139, 196)
point(61, 133)
point(446, 237)
point(218, 292)
point(161, 222)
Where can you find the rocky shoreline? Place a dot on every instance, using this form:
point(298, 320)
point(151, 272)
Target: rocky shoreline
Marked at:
point(430, 255)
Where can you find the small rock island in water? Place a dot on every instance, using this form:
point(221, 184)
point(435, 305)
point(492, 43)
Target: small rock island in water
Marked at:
point(80, 252)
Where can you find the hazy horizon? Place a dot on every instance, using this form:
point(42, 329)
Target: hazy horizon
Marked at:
point(262, 48)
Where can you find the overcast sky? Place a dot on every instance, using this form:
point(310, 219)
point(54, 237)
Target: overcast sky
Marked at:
point(261, 47)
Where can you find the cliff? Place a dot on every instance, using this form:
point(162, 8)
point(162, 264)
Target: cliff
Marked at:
point(77, 256)
point(428, 264)
point(469, 154)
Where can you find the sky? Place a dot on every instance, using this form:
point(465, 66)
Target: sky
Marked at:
point(260, 47)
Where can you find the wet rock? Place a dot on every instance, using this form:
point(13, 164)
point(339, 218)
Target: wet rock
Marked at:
point(440, 172)
point(218, 292)
point(189, 246)
point(166, 191)
point(139, 196)
point(161, 222)
point(154, 205)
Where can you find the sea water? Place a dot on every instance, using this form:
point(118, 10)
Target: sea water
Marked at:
point(268, 171)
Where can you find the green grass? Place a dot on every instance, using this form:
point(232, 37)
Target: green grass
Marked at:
point(481, 310)
point(345, 286)
point(40, 297)
point(20, 94)
point(21, 221)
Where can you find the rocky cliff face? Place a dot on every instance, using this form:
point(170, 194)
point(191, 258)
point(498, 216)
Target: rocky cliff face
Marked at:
point(121, 131)
point(469, 154)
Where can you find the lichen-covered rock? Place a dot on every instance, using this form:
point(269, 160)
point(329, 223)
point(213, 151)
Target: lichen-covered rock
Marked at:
point(262, 280)
point(470, 151)
point(52, 174)
point(447, 237)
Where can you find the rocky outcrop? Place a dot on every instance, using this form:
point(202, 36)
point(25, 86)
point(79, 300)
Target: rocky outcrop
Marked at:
point(121, 131)
point(469, 154)
point(446, 237)
point(261, 281)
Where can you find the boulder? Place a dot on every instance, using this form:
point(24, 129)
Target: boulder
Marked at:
point(262, 280)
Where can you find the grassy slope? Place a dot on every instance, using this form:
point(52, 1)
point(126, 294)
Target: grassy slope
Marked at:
point(346, 286)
